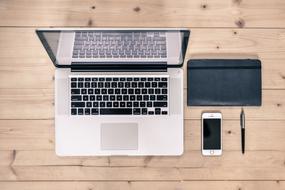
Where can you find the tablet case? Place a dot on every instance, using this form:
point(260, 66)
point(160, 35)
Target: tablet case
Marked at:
point(224, 82)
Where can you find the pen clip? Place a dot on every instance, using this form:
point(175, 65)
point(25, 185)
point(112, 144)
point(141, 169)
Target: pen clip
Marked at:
point(241, 117)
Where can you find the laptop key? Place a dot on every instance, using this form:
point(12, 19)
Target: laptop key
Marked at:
point(110, 91)
point(115, 104)
point(164, 112)
point(102, 104)
point(130, 91)
point(90, 91)
point(157, 111)
point(105, 97)
point(161, 97)
point(157, 91)
point(97, 91)
point(93, 84)
point(100, 84)
point(73, 85)
point(132, 97)
point(160, 104)
point(89, 104)
point(137, 111)
point(80, 84)
point(152, 97)
point(92, 98)
point(83, 91)
point(145, 97)
point(142, 104)
point(119, 98)
point(80, 111)
point(75, 91)
point(147, 84)
point(144, 111)
point(136, 104)
point(94, 111)
point(76, 98)
point(95, 104)
point(87, 111)
point(73, 111)
point(162, 84)
point(116, 111)
point(85, 98)
point(77, 104)
point(139, 97)
point(154, 84)
point(104, 91)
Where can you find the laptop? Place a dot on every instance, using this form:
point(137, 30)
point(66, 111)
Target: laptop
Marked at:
point(118, 91)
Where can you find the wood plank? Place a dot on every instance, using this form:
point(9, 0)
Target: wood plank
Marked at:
point(31, 61)
point(137, 185)
point(6, 157)
point(79, 173)
point(215, 13)
point(39, 135)
point(190, 159)
point(26, 103)
point(272, 108)
point(26, 134)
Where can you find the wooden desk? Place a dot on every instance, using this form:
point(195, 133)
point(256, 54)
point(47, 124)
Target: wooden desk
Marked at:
point(27, 157)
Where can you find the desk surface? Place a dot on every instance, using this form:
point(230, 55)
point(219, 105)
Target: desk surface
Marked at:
point(27, 157)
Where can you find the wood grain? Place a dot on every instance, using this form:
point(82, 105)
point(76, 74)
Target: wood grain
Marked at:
point(27, 157)
point(214, 13)
point(79, 173)
point(138, 185)
point(190, 159)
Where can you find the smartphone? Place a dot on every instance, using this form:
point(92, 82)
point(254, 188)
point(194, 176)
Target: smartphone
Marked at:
point(212, 134)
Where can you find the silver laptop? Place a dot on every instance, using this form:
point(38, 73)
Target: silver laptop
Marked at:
point(118, 91)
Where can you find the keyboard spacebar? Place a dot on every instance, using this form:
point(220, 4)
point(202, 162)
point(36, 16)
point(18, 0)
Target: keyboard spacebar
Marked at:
point(116, 111)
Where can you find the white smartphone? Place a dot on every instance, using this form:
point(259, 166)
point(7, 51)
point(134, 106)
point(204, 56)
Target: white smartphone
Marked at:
point(212, 134)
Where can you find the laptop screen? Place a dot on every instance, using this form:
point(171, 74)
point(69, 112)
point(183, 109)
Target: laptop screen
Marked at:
point(115, 46)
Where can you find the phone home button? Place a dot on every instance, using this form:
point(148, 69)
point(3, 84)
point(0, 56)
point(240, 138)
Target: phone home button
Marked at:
point(211, 152)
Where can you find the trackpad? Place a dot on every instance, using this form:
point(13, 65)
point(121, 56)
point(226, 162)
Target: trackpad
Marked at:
point(119, 136)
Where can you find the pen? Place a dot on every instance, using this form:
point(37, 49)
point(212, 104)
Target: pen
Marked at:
point(242, 125)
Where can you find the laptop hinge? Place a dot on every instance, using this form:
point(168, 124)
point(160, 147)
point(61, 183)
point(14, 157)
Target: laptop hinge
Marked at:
point(119, 67)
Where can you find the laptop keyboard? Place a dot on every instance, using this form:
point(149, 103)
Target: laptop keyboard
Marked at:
point(116, 95)
point(120, 45)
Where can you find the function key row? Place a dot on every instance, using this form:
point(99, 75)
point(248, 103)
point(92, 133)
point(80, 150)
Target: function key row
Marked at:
point(118, 79)
point(118, 84)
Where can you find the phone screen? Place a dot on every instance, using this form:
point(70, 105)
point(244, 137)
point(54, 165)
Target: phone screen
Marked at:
point(211, 134)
